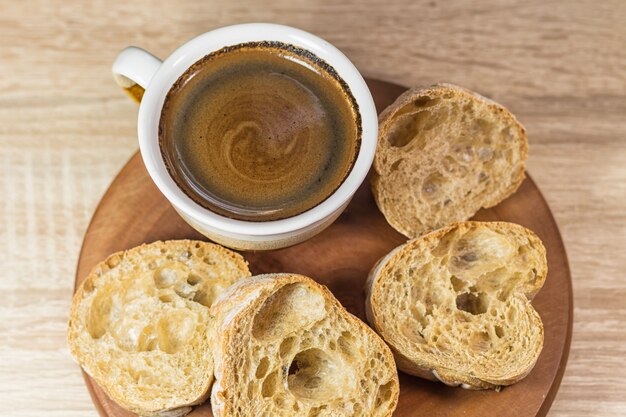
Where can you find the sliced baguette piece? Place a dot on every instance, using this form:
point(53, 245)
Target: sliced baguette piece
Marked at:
point(283, 346)
point(138, 323)
point(454, 305)
point(443, 153)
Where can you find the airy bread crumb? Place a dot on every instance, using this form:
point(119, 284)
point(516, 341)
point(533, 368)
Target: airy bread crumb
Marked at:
point(445, 152)
point(454, 305)
point(285, 347)
point(139, 321)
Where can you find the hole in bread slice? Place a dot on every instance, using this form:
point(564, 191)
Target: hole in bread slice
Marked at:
point(289, 309)
point(473, 303)
point(316, 375)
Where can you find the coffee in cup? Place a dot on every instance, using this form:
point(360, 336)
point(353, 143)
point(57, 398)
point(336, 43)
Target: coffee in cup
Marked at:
point(259, 131)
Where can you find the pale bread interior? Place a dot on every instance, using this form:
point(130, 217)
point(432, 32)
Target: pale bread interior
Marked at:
point(288, 348)
point(456, 303)
point(139, 323)
point(444, 153)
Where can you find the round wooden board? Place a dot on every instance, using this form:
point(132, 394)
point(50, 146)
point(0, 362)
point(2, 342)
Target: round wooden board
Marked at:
point(133, 211)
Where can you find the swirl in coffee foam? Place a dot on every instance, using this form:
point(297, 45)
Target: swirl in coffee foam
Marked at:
point(285, 125)
point(258, 132)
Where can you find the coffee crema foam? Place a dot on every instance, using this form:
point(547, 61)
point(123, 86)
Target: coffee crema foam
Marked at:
point(259, 131)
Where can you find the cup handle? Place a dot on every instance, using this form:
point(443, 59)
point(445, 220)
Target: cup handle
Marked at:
point(133, 69)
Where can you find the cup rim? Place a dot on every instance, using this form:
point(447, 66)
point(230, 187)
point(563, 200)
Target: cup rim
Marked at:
point(190, 52)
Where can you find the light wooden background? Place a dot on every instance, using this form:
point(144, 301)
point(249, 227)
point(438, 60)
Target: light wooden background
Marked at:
point(65, 130)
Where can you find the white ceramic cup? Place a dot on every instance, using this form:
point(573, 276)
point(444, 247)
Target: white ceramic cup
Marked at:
point(136, 67)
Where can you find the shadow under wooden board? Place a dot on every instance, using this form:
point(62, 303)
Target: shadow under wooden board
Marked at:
point(133, 211)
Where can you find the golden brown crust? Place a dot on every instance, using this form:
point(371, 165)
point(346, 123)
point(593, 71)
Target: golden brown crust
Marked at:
point(132, 328)
point(444, 152)
point(479, 296)
point(260, 309)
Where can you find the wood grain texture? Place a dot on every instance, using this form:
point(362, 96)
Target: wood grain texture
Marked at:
point(133, 211)
point(66, 130)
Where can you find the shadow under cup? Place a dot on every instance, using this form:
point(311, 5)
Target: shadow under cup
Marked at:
point(260, 131)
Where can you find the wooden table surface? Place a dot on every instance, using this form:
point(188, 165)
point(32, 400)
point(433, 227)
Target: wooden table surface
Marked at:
point(65, 130)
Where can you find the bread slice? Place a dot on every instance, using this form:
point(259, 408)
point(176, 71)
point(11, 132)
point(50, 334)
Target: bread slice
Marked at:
point(454, 305)
point(138, 323)
point(443, 153)
point(285, 347)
